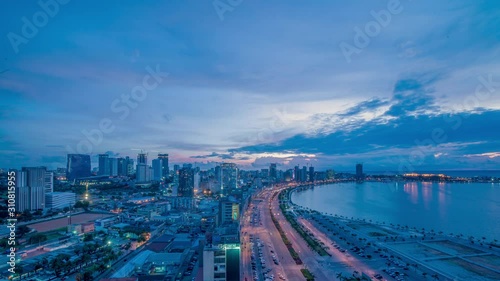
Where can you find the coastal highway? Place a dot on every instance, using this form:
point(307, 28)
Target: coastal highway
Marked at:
point(264, 230)
point(312, 260)
point(271, 239)
point(323, 267)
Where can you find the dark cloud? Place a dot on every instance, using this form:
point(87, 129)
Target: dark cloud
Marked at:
point(214, 154)
point(368, 105)
point(430, 134)
point(413, 96)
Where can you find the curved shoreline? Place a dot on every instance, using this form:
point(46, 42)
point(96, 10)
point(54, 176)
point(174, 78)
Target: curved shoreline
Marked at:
point(405, 242)
point(375, 221)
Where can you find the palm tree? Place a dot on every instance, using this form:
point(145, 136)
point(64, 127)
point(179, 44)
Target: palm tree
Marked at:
point(101, 267)
point(20, 272)
point(87, 276)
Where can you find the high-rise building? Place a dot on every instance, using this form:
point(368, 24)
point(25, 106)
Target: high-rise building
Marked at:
point(157, 170)
point(273, 172)
point(303, 174)
point(221, 262)
point(197, 180)
point(311, 174)
point(22, 191)
point(288, 175)
point(49, 182)
point(142, 158)
point(217, 173)
point(164, 165)
point(128, 166)
point(120, 162)
point(113, 167)
point(143, 173)
point(186, 182)
point(78, 166)
point(229, 211)
point(103, 165)
point(264, 173)
point(359, 171)
point(35, 180)
point(296, 174)
point(229, 177)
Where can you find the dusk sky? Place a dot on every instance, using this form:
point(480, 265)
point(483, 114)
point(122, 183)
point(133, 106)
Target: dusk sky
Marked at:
point(290, 82)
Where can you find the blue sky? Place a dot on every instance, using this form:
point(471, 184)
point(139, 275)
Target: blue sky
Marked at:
point(259, 82)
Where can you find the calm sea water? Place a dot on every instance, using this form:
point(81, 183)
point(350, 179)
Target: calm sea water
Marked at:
point(466, 208)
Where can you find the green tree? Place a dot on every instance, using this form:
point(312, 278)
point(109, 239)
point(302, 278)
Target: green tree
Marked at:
point(88, 237)
point(87, 276)
point(4, 243)
point(101, 267)
point(20, 271)
point(38, 238)
point(26, 215)
point(22, 230)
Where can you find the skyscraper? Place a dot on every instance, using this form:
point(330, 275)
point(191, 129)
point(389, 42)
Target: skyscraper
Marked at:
point(103, 165)
point(113, 167)
point(78, 166)
point(229, 177)
point(120, 162)
point(22, 191)
point(49, 182)
point(359, 172)
point(186, 182)
point(35, 180)
point(273, 172)
point(296, 174)
point(164, 165)
point(157, 169)
point(311, 174)
point(128, 166)
point(143, 173)
point(142, 158)
point(303, 174)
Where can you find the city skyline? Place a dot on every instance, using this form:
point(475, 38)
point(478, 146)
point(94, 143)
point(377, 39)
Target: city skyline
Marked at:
point(250, 88)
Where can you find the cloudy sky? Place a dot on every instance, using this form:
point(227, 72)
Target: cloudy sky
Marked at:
point(409, 85)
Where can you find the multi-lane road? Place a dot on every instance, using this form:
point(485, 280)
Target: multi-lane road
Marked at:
point(257, 223)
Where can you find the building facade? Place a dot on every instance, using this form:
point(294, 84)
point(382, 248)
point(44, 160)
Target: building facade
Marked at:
point(60, 200)
point(78, 166)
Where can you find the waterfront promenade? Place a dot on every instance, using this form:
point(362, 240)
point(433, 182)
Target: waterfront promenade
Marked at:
point(418, 254)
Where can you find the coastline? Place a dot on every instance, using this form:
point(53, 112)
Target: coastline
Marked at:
point(489, 233)
point(408, 243)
